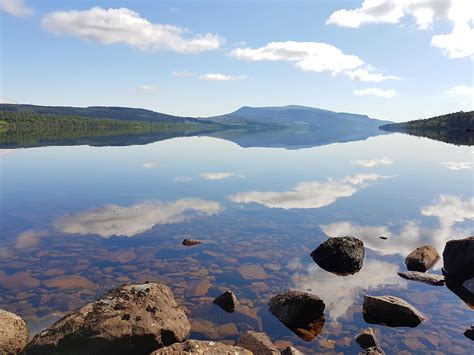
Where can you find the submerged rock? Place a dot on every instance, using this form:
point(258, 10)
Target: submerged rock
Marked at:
point(258, 343)
point(200, 347)
point(422, 258)
point(391, 311)
point(191, 242)
point(366, 339)
point(14, 333)
point(431, 279)
point(131, 319)
point(290, 350)
point(341, 256)
point(458, 259)
point(469, 333)
point(227, 301)
point(372, 351)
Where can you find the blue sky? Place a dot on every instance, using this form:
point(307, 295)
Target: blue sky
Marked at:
point(397, 60)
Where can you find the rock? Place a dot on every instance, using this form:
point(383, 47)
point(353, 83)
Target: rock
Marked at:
point(131, 319)
point(469, 333)
point(14, 333)
point(257, 343)
point(461, 291)
point(366, 339)
point(191, 242)
point(252, 272)
point(227, 301)
point(301, 312)
point(200, 347)
point(391, 311)
point(469, 285)
point(291, 351)
point(432, 279)
point(422, 258)
point(69, 282)
point(372, 351)
point(341, 256)
point(458, 259)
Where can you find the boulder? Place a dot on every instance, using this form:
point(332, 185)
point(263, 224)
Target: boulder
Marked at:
point(200, 347)
point(301, 312)
point(469, 333)
point(341, 256)
point(391, 311)
point(290, 350)
point(191, 242)
point(227, 301)
point(258, 343)
point(460, 290)
point(14, 333)
point(431, 279)
point(458, 259)
point(131, 319)
point(372, 351)
point(367, 339)
point(422, 258)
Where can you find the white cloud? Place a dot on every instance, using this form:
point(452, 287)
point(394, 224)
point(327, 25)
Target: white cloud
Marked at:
point(462, 90)
point(458, 165)
point(4, 100)
point(108, 26)
point(146, 88)
point(372, 162)
point(456, 44)
point(219, 175)
point(221, 77)
point(150, 165)
point(376, 92)
point(366, 75)
point(117, 220)
point(308, 194)
point(182, 74)
point(16, 8)
point(182, 179)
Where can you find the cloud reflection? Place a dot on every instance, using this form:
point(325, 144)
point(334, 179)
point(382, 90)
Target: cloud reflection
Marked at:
point(372, 162)
point(313, 194)
point(114, 220)
point(29, 238)
point(219, 175)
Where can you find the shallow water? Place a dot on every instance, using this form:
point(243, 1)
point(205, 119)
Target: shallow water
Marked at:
point(77, 221)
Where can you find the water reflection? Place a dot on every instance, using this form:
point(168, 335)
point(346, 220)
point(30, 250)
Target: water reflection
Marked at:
point(313, 194)
point(28, 239)
point(371, 163)
point(219, 175)
point(458, 165)
point(114, 220)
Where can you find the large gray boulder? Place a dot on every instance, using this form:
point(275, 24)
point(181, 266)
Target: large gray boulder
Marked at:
point(14, 333)
point(391, 311)
point(422, 258)
point(458, 259)
point(131, 319)
point(341, 256)
point(258, 343)
point(199, 347)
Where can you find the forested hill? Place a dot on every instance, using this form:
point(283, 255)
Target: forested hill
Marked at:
point(451, 121)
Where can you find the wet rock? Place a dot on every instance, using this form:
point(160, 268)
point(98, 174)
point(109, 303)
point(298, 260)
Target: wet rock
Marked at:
point(258, 343)
point(391, 311)
point(14, 333)
point(291, 351)
point(458, 259)
point(131, 319)
point(191, 242)
point(202, 328)
point(431, 279)
point(366, 339)
point(227, 301)
point(422, 258)
point(200, 347)
point(301, 312)
point(469, 333)
point(341, 256)
point(372, 351)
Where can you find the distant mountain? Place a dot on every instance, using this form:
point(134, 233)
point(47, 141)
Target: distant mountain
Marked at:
point(455, 128)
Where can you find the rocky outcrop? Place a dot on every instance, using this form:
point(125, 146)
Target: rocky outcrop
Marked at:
point(290, 350)
point(469, 333)
point(341, 256)
point(431, 279)
point(367, 339)
point(391, 311)
point(372, 351)
point(227, 301)
point(14, 333)
point(191, 242)
point(258, 343)
point(131, 319)
point(458, 259)
point(422, 258)
point(199, 347)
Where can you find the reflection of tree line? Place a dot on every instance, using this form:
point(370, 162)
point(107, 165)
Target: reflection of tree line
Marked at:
point(457, 137)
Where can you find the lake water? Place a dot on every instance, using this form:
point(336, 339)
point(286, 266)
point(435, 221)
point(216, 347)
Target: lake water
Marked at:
point(77, 221)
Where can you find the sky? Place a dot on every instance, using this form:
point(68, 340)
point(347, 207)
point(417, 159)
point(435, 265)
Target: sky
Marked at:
point(396, 60)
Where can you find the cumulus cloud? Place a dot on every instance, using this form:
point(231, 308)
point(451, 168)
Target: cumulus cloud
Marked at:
point(376, 92)
point(16, 8)
point(114, 220)
point(5, 100)
point(108, 26)
point(456, 44)
point(339, 293)
point(182, 74)
point(462, 90)
point(150, 165)
point(372, 162)
point(182, 179)
point(28, 239)
point(219, 175)
point(146, 88)
point(311, 57)
point(308, 194)
point(458, 165)
point(221, 77)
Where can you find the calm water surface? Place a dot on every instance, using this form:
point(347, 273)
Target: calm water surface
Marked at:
point(77, 221)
